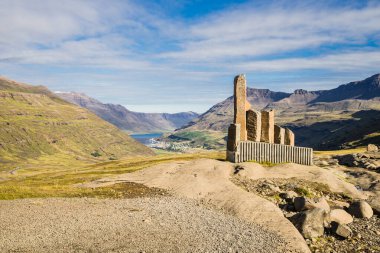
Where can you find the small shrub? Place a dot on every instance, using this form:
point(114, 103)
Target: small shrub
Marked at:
point(303, 191)
point(96, 153)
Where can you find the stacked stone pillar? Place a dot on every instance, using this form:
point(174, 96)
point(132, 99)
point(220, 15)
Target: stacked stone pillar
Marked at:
point(289, 137)
point(240, 105)
point(279, 135)
point(233, 141)
point(267, 126)
point(253, 125)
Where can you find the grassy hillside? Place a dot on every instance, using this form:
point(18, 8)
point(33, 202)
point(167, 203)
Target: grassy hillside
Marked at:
point(34, 123)
point(56, 177)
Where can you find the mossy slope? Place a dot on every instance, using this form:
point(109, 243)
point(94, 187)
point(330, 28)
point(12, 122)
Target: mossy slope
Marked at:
point(34, 123)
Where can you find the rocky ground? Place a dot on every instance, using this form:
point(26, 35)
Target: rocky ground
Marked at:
point(360, 169)
point(364, 236)
point(207, 205)
point(325, 218)
point(155, 224)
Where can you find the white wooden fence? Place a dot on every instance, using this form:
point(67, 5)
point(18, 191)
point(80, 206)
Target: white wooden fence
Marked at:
point(274, 153)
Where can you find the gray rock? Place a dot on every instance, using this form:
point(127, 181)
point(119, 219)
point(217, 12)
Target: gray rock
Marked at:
point(288, 195)
point(375, 204)
point(340, 216)
point(371, 167)
point(310, 223)
point(324, 163)
point(341, 230)
point(360, 209)
point(274, 188)
point(302, 203)
point(372, 148)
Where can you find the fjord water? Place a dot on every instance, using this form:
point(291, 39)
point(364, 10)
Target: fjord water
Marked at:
point(145, 138)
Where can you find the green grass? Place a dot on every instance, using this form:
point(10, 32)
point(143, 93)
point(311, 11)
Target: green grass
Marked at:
point(341, 151)
point(303, 192)
point(201, 139)
point(53, 176)
point(265, 163)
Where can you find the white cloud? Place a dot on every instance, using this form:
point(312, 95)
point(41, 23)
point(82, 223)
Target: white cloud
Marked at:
point(144, 52)
point(250, 32)
point(353, 61)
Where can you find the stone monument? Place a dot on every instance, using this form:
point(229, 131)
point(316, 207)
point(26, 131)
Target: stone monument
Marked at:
point(255, 136)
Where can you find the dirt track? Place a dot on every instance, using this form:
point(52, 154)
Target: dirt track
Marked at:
point(164, 224)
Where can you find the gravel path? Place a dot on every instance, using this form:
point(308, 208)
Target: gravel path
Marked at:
point(165, 224)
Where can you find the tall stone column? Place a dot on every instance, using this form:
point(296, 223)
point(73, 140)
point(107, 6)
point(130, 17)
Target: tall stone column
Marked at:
point(253, 125)
point(279, 135)
point(267, 126)
point(240, 104)
point(289, 137)
point(232, 141)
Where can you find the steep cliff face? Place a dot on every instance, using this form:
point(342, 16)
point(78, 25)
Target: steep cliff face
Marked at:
point(127, 120)
point(34, 122)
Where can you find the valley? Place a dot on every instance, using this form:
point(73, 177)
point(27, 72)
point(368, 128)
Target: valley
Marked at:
point(57, 156)
point(231, 126)
point(132, 122)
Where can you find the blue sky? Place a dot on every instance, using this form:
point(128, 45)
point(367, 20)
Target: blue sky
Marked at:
point(171, 56)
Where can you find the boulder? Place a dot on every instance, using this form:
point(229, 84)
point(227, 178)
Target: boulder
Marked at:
point(347, 160)
point(340, 216)
point(341, 230)
point(324, 163)
point(375, 204)
point(288, 195)
point(371, 166)
point(302, 203)
point(336, 204)
point(372, 148)
point(310, 223)
point(360, 209)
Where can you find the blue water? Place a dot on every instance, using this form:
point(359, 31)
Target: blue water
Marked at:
point(145, 138)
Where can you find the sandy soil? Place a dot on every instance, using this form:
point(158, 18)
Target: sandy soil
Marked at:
point(164, 224)
point(205, 212)
point(210, 182)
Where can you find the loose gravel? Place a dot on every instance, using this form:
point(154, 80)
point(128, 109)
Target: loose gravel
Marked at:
point(158, 224)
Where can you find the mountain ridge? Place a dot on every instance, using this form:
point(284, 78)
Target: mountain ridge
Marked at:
point(218, 116)
point(303, 111)
point(135, 122)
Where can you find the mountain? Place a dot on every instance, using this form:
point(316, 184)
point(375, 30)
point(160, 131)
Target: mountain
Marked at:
point(301, 109)
point(360, 130)
point(221, 114)
point(364, 90)
point(34, 122)
point(127, 120)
